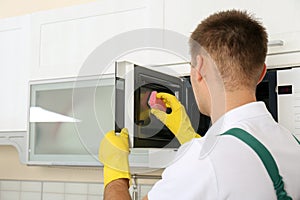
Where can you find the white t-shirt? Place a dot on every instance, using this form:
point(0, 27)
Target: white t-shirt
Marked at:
point(223, 167)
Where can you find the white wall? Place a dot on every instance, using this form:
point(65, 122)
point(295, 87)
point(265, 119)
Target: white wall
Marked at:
point(11, 8)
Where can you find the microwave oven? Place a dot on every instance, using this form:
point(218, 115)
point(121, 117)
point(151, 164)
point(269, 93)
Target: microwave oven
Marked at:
point(134, 85)
point(150, 139)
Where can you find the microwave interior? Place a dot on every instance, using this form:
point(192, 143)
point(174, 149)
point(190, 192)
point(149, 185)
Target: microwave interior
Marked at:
point(148, 130)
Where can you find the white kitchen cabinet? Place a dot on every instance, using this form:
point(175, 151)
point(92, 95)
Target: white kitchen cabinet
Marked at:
point(14, 73)
point(50, 46)
point(14, 76)
point(68, 119)
point(277, 16)
point(63, 39)
point(284, 51)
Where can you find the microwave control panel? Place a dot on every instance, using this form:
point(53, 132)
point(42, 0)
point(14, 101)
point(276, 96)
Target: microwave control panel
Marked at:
point(288, 91)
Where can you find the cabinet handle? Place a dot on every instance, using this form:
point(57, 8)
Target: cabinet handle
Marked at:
point(274, 43)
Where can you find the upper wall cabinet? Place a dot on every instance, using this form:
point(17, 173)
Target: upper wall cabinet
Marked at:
point(279, 17)
point(63, 39)
point(68, 119)
point(14, 73)
point(284, 50)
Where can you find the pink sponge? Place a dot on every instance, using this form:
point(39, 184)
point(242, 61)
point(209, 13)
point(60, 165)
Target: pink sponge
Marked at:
point(156, 103)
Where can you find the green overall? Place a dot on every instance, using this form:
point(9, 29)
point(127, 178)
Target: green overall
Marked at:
point(265, 157)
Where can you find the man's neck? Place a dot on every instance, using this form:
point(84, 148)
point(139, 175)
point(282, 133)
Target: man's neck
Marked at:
point(229, 101)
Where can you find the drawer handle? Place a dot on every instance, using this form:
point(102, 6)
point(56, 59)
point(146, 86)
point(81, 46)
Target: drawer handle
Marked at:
point(275, 43)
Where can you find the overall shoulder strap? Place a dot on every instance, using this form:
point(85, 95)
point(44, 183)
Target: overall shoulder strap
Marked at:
point(265, 157)
point(296, 139)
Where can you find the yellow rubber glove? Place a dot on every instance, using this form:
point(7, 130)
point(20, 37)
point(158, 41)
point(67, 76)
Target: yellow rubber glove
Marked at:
point(113, 153)
point(177, 121)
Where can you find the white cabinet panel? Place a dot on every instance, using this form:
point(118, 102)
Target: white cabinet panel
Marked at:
point(277, 16)
point(286, 51)
point(184, 16)
point(68, 119)
point(14, 73)
point(64, 38)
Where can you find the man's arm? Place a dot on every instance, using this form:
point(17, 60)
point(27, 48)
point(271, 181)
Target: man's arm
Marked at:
point(117, 189)
point(113, 153)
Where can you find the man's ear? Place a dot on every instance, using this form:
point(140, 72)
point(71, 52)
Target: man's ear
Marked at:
point(263, 73)
point(199, 67)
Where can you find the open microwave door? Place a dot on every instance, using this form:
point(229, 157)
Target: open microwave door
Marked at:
point(147, 134)
point(134, 85)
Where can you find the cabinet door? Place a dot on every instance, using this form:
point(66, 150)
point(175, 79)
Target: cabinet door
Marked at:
point(284, 50)
point(14, 73)
point(63, 39)
point(68, 119)
point(277, 16)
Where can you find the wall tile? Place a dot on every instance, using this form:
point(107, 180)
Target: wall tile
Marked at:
point(31, 186)
point(30, 196)
point(75, 197)
point(53, 187)
point(95, 197)
point(10, 185)
point(37, 190)
point(76, 188)
point(10, 195)
point(95, 189)
point(53, 196)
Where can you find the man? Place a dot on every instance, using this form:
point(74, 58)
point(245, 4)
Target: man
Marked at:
point(228, 52)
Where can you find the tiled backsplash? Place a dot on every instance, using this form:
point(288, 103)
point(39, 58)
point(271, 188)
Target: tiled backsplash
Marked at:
point(42, 190)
